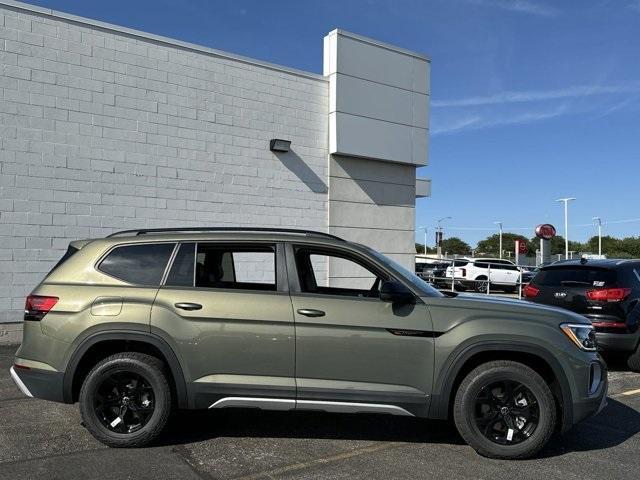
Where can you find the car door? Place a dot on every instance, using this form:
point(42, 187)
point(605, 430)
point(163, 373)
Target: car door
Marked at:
point(355, 352)
point(225, 309)
point(512, 274)
point(499, 274)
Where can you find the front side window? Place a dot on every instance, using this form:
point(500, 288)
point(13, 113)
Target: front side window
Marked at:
point(251, 267)
point(141, 264)
point(336, 273)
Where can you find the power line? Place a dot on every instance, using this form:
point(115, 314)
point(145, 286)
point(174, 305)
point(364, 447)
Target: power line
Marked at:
point(507, 228)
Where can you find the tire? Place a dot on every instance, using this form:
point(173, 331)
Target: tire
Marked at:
point(526, 440)
point(633, 361)
point(480, 287)
point(140, 398)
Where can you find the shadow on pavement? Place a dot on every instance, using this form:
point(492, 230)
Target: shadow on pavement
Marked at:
point(187, 427)
point(613, 426)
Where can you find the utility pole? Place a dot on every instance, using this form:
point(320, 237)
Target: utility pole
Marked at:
point(500, 226)
point(566, 224)
point(439, 243)
point(598, 221)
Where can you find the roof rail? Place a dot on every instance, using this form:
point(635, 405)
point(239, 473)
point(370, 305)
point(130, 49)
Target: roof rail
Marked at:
point(145, 231)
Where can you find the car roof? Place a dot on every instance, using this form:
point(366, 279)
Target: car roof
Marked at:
point(600, 263)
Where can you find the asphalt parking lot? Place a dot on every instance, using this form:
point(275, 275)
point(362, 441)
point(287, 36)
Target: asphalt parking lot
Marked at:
point(39, 439)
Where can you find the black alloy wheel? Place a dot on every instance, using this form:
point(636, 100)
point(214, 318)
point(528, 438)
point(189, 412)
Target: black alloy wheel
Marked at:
point(124, 402)
point(505, 409)
point(506, 412)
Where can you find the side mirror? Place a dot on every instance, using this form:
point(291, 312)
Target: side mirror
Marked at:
point(395, 292)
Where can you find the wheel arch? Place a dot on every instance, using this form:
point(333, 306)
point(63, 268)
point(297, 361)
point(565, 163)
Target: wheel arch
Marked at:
point(101, 344)
point(531, 355)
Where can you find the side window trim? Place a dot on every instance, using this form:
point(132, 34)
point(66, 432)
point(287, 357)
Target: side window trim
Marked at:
point(167, 269)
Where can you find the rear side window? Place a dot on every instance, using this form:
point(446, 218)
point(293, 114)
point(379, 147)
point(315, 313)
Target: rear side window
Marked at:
point(572, 275)
point(242, 267)
point(139, 264)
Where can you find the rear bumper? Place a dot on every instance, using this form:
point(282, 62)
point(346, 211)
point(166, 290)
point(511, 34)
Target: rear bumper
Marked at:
point(43, 384)
point(618, 342)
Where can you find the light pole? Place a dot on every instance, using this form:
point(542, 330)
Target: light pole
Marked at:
point(566, 224)
point(598, 221)
point(439, 246)
point(425, 238)
point(500, 226)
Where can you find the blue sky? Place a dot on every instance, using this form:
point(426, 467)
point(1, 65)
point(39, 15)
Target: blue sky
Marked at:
point(531, 100)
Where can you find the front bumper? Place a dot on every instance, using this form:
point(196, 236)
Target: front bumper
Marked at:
point(36, 383)
point(591, 405)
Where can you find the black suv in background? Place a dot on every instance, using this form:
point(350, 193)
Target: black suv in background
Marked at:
point(607, 292)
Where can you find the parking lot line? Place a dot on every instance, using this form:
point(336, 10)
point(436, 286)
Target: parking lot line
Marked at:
point(629, 393)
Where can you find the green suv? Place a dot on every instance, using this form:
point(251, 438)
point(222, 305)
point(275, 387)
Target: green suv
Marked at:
point(142, 322)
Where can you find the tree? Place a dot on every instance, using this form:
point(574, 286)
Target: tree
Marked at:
point(557, 245)
point(420, 248)
point(491, 244)
point(455, 246)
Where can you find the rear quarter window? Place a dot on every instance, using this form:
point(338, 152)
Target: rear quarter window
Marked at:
point(572, 275)
point(141, 264)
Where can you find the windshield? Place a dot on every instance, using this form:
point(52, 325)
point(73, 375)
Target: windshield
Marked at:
point(407, 275)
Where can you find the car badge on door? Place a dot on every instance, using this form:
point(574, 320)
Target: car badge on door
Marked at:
point(560, 294)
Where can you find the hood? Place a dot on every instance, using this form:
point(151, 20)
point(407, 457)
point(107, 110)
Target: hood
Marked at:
point(482, 305)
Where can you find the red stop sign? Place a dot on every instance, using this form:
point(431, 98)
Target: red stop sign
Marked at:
point(521, 246)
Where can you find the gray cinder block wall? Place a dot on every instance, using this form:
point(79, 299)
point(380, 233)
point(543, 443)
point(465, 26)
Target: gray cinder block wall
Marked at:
point(104, 128)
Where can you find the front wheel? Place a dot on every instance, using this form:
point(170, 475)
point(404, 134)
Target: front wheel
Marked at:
point(505, 409)
point(125, 400)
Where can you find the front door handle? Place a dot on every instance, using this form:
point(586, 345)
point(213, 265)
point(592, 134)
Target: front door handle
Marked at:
point(309, 312)
point(188, 306)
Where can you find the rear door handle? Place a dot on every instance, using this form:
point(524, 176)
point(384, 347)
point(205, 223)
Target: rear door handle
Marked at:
point(309, 312)
point(188, 306)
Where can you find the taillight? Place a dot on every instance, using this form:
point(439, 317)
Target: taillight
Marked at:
point(530, 291)
point(608, 294)
point(37, 306)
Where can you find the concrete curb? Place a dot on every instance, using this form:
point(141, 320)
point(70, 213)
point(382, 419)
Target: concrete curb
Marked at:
point(11, 333)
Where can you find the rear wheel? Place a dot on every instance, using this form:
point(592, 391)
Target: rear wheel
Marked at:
point(504, 409)
point(125, 400)
point(481, 284)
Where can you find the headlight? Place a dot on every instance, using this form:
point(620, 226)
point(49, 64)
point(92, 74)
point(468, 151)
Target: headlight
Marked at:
point(582, 334)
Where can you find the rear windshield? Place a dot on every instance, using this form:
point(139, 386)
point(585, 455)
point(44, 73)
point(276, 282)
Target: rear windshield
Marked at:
point(572, 275)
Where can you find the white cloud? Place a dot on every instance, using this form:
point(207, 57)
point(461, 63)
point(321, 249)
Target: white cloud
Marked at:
point(458, 124)
point(520, 6)
point(538, 95)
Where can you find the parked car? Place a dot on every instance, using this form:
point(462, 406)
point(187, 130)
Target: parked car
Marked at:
point(136, 324)
point(476, 273)
point(433, 273)
point(607, 292)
